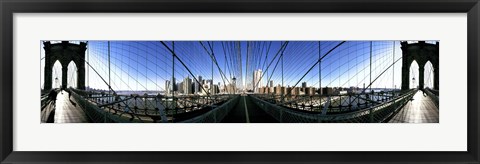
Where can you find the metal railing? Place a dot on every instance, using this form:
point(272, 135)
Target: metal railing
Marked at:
point(433, 94)
point(336, 103)
point(376, 113)
point(102, 106)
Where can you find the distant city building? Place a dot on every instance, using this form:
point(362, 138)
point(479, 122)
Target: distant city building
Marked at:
point(210, 82)
point(197, 87)
point(309, 91)
point(231, 89)
point(342, 92)
point(353, 89)
point(187, 85)
point(174, 86)
point(264, 90)
point(304, 85)
point(271, 83)
point(257, 80)
point(279, 90)
point(167, 87)
point(192, 87)
point(216, 90)
point(180, 87)
point(296, 91)
point(327, 91)
point(206, 89)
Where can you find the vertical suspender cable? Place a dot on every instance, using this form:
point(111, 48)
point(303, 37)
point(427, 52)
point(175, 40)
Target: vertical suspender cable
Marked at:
point(211, 84)
point(393, 70)
point(319, 69)
point(283, 85)
point(88, 68)
point(109, 80)
point(371, 66)
point(173, 79)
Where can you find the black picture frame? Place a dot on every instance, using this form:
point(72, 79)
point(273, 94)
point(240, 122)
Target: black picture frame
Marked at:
point(9, 7)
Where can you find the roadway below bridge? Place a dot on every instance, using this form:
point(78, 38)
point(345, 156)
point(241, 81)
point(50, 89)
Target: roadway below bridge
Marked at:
point(248, 112)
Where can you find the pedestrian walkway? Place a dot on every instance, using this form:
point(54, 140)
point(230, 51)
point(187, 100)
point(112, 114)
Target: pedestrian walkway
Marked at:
point(421, 109)
point(68, 111)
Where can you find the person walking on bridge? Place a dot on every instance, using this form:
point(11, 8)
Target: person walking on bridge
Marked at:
point(423, 90)
point(69, 93)
point(52, 96)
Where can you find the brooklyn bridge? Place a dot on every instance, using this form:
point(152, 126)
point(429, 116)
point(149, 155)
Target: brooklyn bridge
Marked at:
point(239, 82)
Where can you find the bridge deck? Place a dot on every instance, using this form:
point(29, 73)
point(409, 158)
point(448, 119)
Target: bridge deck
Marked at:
point(419, 110)
point(68, 111)
point(247, 112)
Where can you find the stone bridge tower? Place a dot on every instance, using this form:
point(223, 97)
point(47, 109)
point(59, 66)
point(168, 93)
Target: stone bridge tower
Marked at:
point(65, 52)
point(422, 53)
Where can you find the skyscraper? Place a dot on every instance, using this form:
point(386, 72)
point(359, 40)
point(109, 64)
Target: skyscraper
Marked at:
point(198, 85)
point(187, 85)
point(173, 85)
point(304, 87)
point(271, 83)
point(167, 87)
point(180, 87)
point(257, 80)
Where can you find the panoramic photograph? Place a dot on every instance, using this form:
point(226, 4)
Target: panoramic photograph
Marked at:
point(122, 81)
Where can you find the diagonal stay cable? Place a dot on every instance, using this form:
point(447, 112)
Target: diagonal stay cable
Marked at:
point(278, 61)
point(339, 44)
point(175, 55)
point(110, 87)
point(214, 59)
point(363, 91)
point(282, 48)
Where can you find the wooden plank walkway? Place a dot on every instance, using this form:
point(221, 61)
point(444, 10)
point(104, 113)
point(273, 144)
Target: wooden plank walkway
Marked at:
point(419, 110)
point(68, 111)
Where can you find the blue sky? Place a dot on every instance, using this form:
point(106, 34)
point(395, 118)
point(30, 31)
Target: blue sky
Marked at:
point(145, 65)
